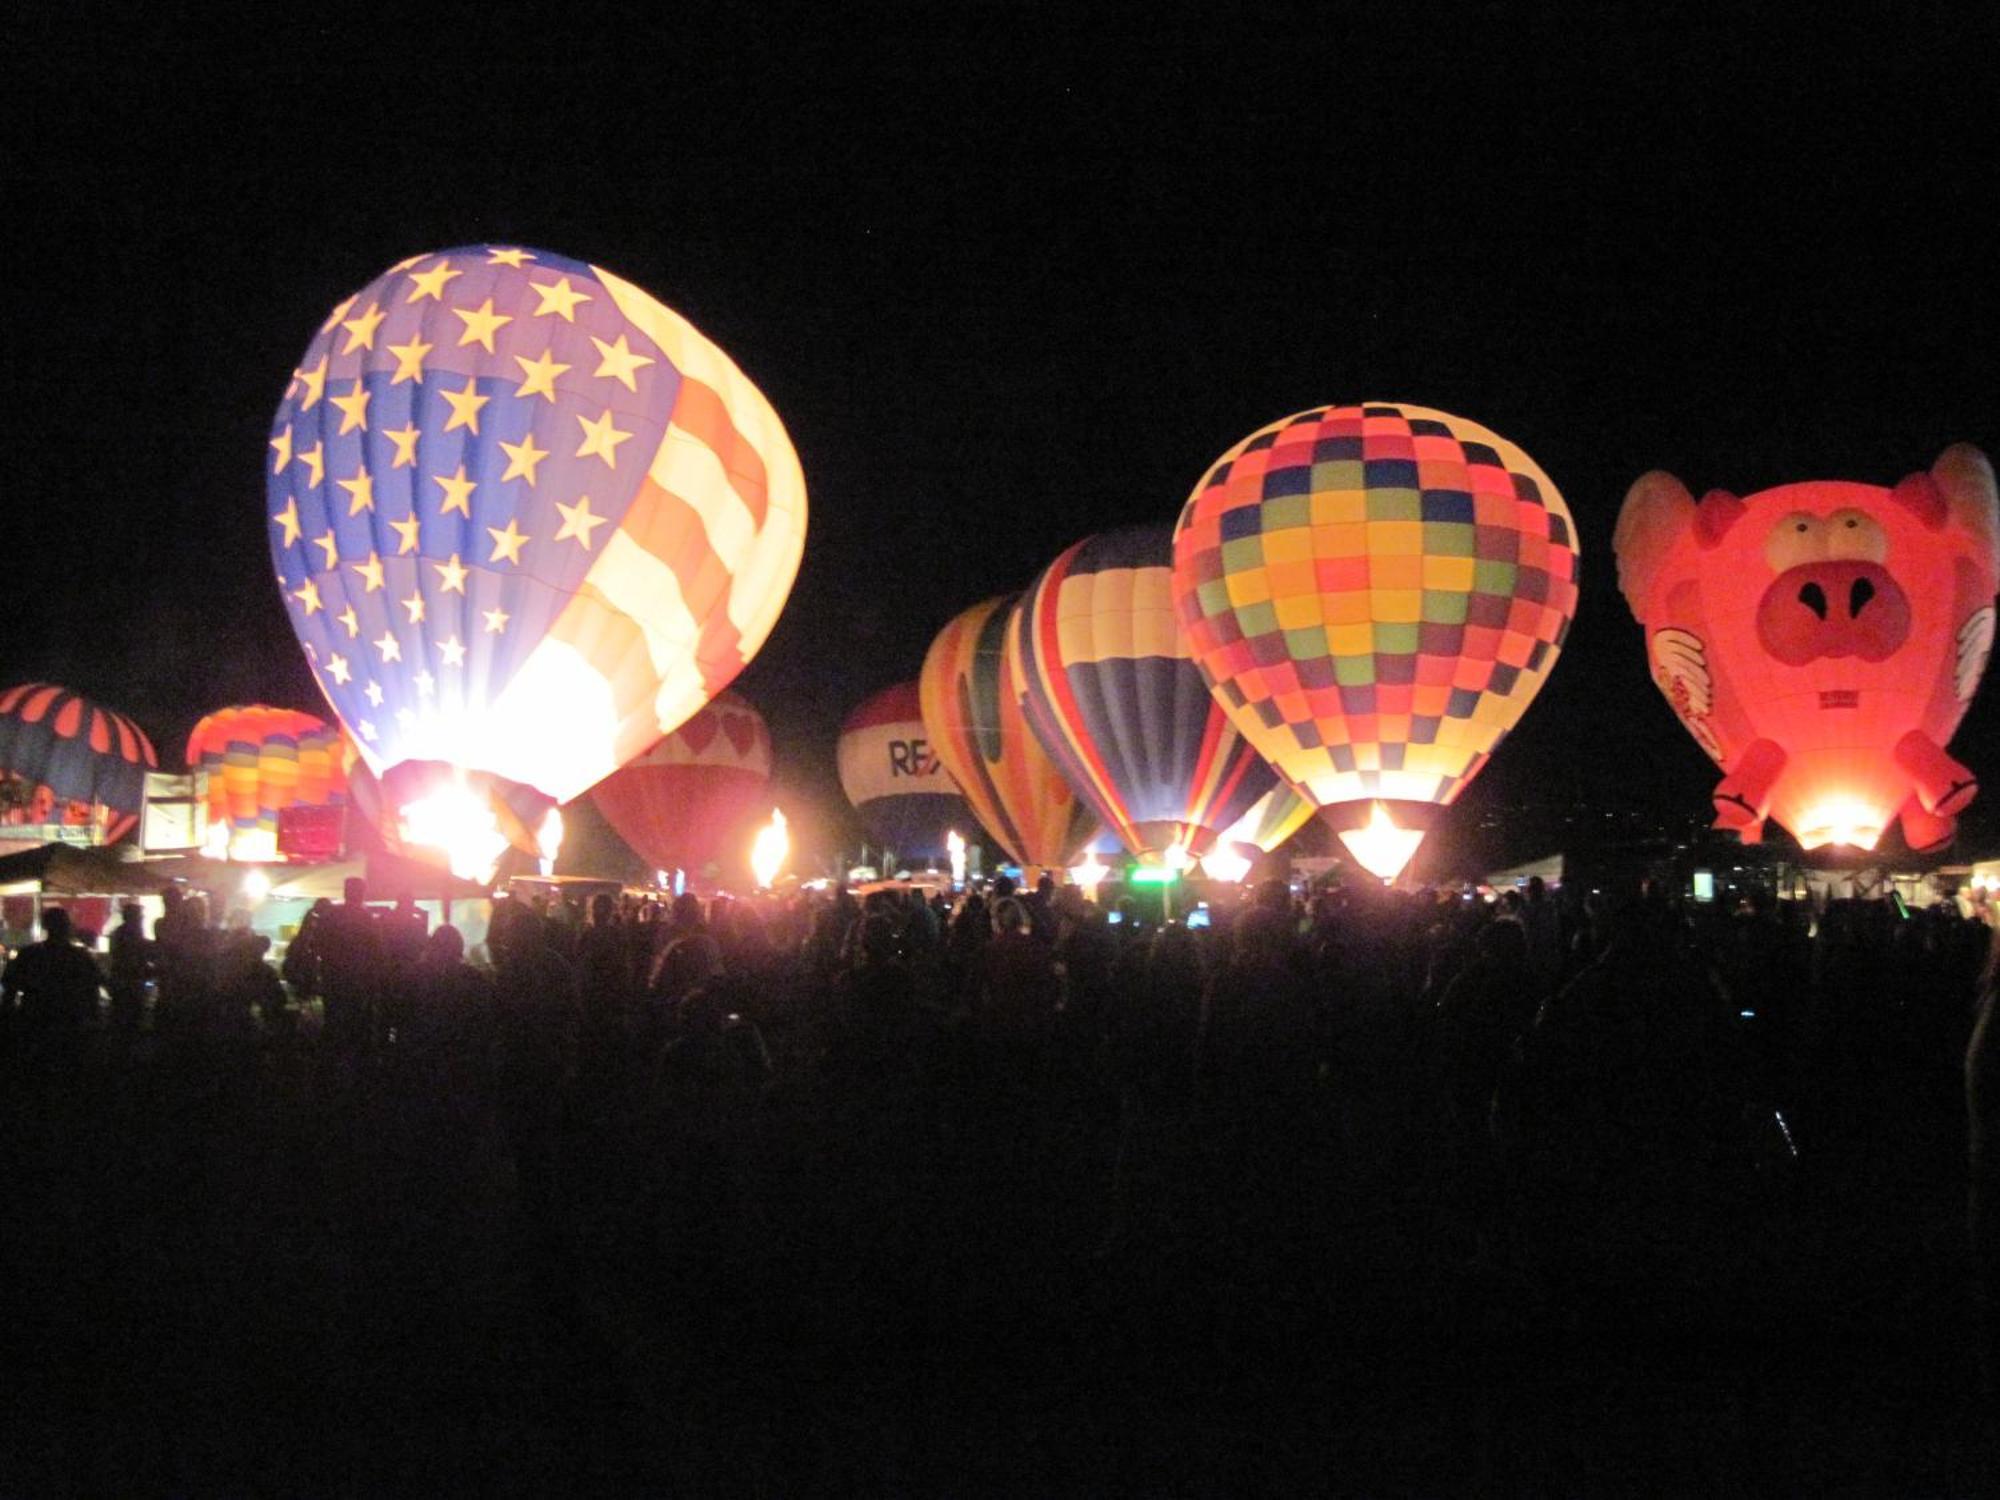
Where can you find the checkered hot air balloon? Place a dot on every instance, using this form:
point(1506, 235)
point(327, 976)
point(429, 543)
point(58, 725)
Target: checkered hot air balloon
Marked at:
point(1376, 593)
point(1108, 688)
point(525, 517)
point(677, 804)
point(894, 778)
point(260, 761)
point(71, 761)
point(973, 713)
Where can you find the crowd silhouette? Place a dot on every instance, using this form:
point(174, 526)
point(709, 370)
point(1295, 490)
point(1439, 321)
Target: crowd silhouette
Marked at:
point(1362, 1191)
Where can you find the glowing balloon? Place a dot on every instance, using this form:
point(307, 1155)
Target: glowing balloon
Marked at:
point(452, 818)
point(70, 761)
point(525, 517)
point(260, 761)
point(894, 778)
point(1822, 641)
point(1375, 593)
point(1275, 817)
point(973, 713)
point(1110, 693)
point(677, 804)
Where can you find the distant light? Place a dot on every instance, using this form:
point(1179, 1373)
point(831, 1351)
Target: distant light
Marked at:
point(256, 886)
point(769, 850)
point(459, 823)
point(254, 845)
point(1748, 1015)
point(956, 847)
point(548, 840)
point(1381, 848)
point(1089, 875)
point(1225, 864)
point(1841, 820)
point(1153, 875)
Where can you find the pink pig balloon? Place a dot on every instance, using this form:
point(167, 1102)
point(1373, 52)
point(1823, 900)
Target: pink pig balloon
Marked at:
point(1821, 642)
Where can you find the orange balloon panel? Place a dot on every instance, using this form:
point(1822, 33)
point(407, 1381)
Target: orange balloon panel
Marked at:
point(972, 712)
point(1821, 642)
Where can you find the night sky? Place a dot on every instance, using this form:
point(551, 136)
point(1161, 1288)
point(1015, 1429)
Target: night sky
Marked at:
point(1009, 277)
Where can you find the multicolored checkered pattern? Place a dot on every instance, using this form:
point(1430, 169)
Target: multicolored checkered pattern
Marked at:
point(1375, 594)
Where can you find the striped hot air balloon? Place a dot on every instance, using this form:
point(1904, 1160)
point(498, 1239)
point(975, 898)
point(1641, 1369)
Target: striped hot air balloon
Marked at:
point(525, 517)
point(893, 776)
point(71, 761)
point(677, 804)
point(261, 761)
point(1376, 593)
point(973, 714)
point(1271, 820)
point(1108, 688)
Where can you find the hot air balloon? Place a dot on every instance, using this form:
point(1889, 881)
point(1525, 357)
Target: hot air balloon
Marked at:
point(261, 761)
point(677, 804)
point(1109, 691)
point(442, 815)
point(906, 798)
point(525, 518)
point(1277, 815)
point(973, 714)
point(1821, 642)
point(68, 761)
point(1376, 593)
point(1271, 821)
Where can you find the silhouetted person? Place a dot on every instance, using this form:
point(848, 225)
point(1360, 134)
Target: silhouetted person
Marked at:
point(56, 984)
point(1483, 1012)
point(1982, 1098)
point(301, 969)
point(536, 1019)
point(604, 969)
point(452, 1014)
point(131, 967)
point(246, 984)
point(183, 954)
point(877, 1009)
point(1019, 992)
point(350, 950)
point(1541, 921)
point(1627, 1101)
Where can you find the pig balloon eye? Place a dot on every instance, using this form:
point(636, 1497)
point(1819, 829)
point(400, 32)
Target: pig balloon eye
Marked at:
point(1855, 536)
point(1798, 538)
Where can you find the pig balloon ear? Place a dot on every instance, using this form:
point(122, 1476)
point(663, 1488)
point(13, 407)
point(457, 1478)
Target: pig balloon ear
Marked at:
point(1919, 495)
point(1657, 509)
point(1964, 477)
point(1719, 510)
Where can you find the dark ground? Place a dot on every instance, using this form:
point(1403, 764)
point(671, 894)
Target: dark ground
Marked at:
point(238, 1266)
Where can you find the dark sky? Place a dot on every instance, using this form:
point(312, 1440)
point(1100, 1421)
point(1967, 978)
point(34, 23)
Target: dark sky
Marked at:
point(1009, 275)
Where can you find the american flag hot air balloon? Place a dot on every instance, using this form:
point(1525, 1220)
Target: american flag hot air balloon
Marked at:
point(525, 517)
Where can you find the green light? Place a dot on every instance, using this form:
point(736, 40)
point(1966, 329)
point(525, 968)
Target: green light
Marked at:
point(1153, 875)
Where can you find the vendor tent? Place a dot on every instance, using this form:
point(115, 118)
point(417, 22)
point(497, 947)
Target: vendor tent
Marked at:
point(65, 870)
